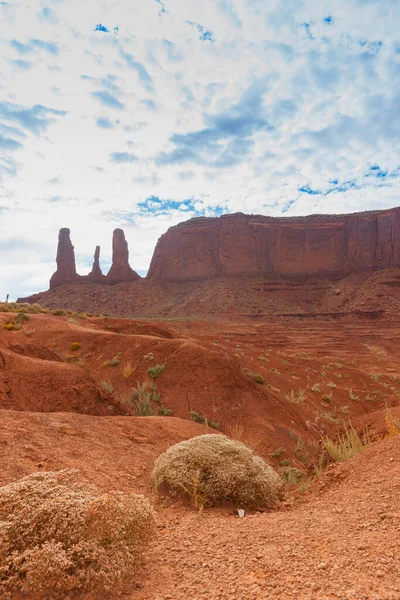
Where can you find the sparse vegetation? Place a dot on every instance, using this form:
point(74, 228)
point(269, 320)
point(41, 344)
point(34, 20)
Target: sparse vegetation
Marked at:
point(61, 537)
point(296, 397)
point(156, 371)
point(256, 377)
point(392, 424)
point(128, 370)
point(107, 386)
point(353, 395)
point(146, 400)
point(75, 346)
point(264, 358)
point(327, 398)
point(277, 452)
point(212, 469)
point(114, 362)
point(347, 445)
point(292, 475)
point(238, 431)
point(316, 388)
point(331, 385)
point(376, 376)
point(9, 326)
point(199, 418)
point(29, 332)
point(329, 416)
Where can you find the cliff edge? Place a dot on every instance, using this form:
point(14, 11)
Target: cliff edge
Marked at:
point(239, 245)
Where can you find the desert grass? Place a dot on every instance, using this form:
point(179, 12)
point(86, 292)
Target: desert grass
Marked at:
point(296, 397)
point(146, 400)
point(107, 386)
point(392, 425)
point(348, 444)
point(128, 370)
point(239, 432)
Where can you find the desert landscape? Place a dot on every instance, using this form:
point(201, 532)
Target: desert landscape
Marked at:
point(296, 356)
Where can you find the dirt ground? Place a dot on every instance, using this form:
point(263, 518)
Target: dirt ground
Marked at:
point(338, 539)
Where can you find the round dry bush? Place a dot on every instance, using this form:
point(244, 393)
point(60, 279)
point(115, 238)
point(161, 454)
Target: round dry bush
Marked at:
point(212, 469)
point(61, 536)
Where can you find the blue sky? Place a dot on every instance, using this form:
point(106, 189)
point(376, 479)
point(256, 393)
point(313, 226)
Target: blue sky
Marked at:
point(141, 114)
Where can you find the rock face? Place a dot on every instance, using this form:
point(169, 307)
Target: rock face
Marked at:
point(66, 271)
point(96, 274)
point(120, 269)
point(241, 245)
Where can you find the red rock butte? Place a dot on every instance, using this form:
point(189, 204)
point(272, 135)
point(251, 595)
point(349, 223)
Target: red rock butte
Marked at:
point(239, 245)
point(66, 270)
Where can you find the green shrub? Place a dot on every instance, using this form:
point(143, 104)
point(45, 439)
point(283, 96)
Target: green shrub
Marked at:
point(146, 400)
point(199, 418)
point(212, 469)
point(107, 386)
point(75, 346)
point(256, 377)
point(9, 326)
point(114, 362)
point(155, 371)
point(292, 475)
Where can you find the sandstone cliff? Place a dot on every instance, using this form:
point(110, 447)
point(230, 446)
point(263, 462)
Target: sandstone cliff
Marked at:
point(119, 272)
point(241, 245)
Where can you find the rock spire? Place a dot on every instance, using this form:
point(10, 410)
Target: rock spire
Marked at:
point(66, 269)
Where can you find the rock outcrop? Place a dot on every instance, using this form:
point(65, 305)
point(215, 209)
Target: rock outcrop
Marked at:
point(241, 245)
point(119, 272)
point(96, 274)
point(66, 269)
point(120, 269)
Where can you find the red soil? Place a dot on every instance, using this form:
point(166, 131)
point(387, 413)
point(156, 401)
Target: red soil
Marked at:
point(333, 542)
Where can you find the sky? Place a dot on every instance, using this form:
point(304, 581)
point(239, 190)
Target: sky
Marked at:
point(141, 114)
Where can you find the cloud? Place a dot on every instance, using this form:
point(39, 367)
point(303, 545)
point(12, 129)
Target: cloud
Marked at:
point(142, 72)
point(105, 123)
point(228, 138)
point(8, 167)
point(35, 119)
point(108, 99)
point(49, 15)
point(49, 47)
point(9, 144)
point(34, 44)
point(123, 157)
point(21, 64)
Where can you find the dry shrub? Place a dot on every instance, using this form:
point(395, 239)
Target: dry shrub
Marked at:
point(392, 425)
point(238, 431)
point(347, 445)
point(212, 469)
point(60, 536)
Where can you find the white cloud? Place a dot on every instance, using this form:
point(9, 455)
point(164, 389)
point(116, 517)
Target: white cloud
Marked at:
point(300, 95)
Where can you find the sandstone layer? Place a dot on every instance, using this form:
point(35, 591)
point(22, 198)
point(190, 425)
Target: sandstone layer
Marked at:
point(241, 245)
point(119, 272)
